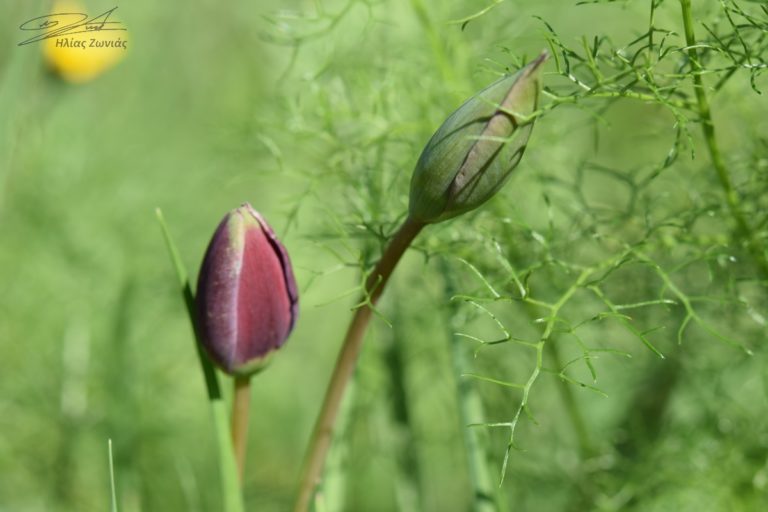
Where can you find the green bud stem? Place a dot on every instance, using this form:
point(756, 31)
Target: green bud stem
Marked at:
point(241, 402)
point(346, 362)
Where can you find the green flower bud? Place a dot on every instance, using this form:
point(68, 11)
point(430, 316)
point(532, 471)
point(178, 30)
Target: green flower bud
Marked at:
point(470, 156)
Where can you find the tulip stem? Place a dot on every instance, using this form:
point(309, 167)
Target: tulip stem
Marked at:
point(241, 402)
point(347, 359)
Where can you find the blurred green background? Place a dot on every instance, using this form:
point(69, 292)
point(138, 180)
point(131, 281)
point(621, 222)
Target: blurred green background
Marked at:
point(315, 112)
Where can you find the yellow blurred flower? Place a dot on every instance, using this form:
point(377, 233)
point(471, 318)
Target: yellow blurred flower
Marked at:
point(83, 53)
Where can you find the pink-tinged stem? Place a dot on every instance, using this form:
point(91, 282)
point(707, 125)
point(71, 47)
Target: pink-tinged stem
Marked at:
point(345, 364)
point(240, 405)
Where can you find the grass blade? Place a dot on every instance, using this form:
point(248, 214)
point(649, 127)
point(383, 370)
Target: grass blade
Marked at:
point(230, 483)
point(113, 493)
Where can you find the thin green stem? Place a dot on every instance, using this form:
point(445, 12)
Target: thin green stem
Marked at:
point(560, 100)
point(241, 402)
point(346, 362)
point(574, 413)
point(571, 406)
point(708, 128)
point(486, 495)
point(545, 339)
point(230, 485)
point(566, 392)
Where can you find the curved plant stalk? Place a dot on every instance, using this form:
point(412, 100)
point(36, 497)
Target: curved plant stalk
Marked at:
point(345, 364)
point(463, 165)
point(708, 127)
point(332, 494)
point(230, 486)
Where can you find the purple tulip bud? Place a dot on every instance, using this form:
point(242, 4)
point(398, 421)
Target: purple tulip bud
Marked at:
point(247, 300)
